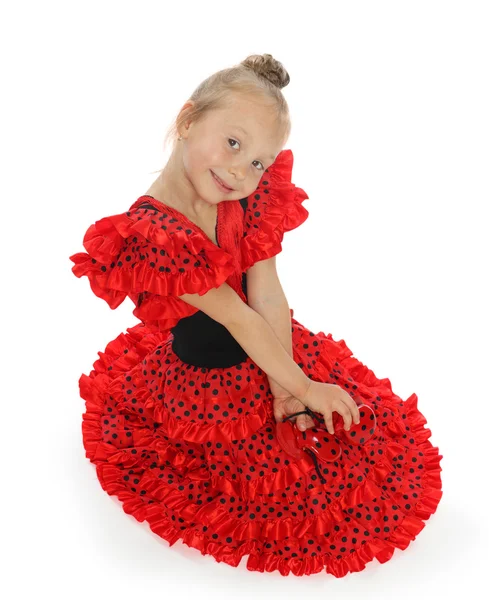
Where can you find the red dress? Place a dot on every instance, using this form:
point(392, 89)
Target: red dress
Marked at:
point(192, 449)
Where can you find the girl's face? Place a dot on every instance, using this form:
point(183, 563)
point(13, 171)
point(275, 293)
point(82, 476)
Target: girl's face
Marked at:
point(236, 143)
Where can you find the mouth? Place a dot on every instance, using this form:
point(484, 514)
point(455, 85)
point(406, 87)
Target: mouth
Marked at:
point(221, 183)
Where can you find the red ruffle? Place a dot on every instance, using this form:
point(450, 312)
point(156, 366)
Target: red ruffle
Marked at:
point(156, 292)
point(279, 202)
point(335, 358)
point(109, 237)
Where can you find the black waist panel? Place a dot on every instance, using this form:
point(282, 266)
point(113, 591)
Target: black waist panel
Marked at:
point(203, 342)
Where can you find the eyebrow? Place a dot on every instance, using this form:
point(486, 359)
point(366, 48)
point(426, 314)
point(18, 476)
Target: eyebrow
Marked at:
point(246, 133)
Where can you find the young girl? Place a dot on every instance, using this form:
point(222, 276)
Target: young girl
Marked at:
point(220, 419)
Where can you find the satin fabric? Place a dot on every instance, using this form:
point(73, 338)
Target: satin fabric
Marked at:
point(192, 449)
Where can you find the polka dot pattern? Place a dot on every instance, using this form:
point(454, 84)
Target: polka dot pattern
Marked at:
point(149, 256)
point(273, 209)
point(193, 451)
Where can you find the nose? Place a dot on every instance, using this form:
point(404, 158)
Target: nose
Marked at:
point(238, 172)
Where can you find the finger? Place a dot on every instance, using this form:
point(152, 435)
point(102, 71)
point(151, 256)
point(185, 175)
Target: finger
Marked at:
point(304, 422)
point(308, 422)
point(352, 406)
point(344, 411)
point(328, 419)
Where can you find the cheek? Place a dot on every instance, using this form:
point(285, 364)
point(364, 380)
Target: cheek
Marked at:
point(217, 158)
point(203, 157)
point(191, 158)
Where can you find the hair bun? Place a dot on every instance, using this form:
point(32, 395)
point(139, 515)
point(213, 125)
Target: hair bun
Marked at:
point(264, 65)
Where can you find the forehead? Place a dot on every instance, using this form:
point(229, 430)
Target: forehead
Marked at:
point(248, 124)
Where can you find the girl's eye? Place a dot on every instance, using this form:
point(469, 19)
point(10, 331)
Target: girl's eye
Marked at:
point(233, 140)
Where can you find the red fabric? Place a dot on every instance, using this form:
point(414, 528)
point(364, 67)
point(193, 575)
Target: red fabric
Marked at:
point(275, 207)
point(193, 450)
point(129, 254)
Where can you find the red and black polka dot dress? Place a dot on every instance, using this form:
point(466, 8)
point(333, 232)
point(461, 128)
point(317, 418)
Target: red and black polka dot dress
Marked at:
point(179, 420)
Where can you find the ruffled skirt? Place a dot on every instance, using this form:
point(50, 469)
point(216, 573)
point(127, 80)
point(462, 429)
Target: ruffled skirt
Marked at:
point(192, 451)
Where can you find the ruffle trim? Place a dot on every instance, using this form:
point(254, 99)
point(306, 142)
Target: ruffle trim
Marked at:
point(198, 433)
point(252, 535)
point(105, 239)
point(283, 212)
point(164, 312)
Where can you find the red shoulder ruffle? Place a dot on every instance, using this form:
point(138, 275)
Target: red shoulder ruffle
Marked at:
point(151, 259)
point(274, 208)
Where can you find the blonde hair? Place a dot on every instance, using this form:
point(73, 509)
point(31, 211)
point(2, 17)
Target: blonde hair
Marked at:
point(259, 75)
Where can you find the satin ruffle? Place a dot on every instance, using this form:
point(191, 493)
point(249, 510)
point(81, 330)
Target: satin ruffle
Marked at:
point(183, 446)
point(155, 292)
point(181, 471)
point(278, 202)
point(158, 304)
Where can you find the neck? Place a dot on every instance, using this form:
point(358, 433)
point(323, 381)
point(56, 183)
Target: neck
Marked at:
point(173, 188)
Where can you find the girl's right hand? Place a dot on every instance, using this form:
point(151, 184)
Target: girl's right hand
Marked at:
point(325, 398)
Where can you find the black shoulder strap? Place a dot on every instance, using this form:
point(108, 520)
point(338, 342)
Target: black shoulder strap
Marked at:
point(147, 205)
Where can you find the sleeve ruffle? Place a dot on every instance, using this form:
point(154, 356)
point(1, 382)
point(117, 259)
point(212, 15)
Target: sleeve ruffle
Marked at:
point(274, 208)
point(129, 254)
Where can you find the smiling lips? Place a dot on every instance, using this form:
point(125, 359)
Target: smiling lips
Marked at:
point(221, 182)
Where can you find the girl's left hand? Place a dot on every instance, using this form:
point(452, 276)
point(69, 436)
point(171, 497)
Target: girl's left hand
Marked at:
point(285, 404)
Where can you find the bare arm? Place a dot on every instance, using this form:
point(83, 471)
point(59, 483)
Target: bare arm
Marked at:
point(266, 296)
point(254, 335)
point(259, 341)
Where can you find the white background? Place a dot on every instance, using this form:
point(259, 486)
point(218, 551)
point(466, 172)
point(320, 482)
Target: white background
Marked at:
point(389, 104)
